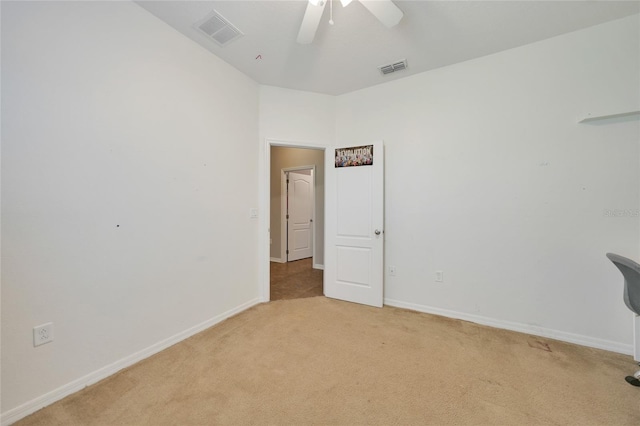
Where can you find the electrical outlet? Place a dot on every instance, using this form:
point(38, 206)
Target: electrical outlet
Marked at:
point(43, 334)
point(392, 271)
point(439, 276)
point(253, 213)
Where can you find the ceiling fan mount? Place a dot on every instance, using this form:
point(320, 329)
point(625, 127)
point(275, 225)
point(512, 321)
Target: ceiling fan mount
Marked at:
point(385, 10)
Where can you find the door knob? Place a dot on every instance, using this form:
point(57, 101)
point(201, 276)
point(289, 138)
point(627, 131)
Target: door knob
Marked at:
point(377, 232)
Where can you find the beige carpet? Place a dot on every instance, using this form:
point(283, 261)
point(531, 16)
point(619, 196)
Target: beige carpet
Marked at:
point(322, 361)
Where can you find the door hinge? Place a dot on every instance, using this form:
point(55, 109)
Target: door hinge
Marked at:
point(287, 217)
point(287, 251)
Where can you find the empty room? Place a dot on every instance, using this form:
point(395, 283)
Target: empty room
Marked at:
point(474, 217)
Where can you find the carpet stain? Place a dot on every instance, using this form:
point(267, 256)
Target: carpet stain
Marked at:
point(537, 344)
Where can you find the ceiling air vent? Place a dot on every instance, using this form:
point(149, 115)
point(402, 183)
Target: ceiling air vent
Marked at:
point(396, 66)
point(216, 27)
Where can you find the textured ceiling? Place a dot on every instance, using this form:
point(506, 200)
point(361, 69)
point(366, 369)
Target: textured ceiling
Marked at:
point(344, 57)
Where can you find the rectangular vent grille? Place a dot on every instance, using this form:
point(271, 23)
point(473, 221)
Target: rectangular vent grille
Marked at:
point(396, 66)
point(216, 27)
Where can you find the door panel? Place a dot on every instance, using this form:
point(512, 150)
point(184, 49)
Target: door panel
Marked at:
point(346, 271)
point(354, 204)
point(354, 194)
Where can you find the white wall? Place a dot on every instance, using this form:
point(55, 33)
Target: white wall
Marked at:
point(490, 179)
point(120, 192)
point(296, 116)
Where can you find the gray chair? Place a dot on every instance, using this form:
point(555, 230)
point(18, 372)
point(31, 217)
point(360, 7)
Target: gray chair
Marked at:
point(631, 273)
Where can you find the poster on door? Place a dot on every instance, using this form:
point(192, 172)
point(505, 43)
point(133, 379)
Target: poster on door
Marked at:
point(354, 156)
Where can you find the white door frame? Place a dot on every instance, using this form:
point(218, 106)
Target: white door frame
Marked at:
point(264, 219)
point(283, 211)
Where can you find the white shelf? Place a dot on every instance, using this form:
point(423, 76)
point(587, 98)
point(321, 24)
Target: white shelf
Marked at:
point(629, 115)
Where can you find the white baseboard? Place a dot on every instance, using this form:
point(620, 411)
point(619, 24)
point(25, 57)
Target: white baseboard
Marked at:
point(277, 260)
point(49, 398)
point(318, 266)
point(519, 327)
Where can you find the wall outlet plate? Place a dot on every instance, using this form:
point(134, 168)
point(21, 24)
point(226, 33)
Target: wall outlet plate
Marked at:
point(42, 334)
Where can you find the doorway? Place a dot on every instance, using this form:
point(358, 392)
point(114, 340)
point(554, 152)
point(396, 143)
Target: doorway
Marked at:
point(296, 245)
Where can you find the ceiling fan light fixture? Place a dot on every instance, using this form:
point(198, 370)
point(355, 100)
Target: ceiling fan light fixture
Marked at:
point(384, 10)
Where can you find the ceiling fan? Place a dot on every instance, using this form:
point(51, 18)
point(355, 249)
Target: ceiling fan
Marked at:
point(387, 12)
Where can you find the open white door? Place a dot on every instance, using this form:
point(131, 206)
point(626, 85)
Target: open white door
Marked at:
point(300, 215)
point(354, 220)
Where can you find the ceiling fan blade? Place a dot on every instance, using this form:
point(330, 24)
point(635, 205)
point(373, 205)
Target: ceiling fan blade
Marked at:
point(310, 22)
point(387, 12)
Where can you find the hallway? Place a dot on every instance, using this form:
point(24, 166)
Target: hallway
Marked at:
point(295, 280)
